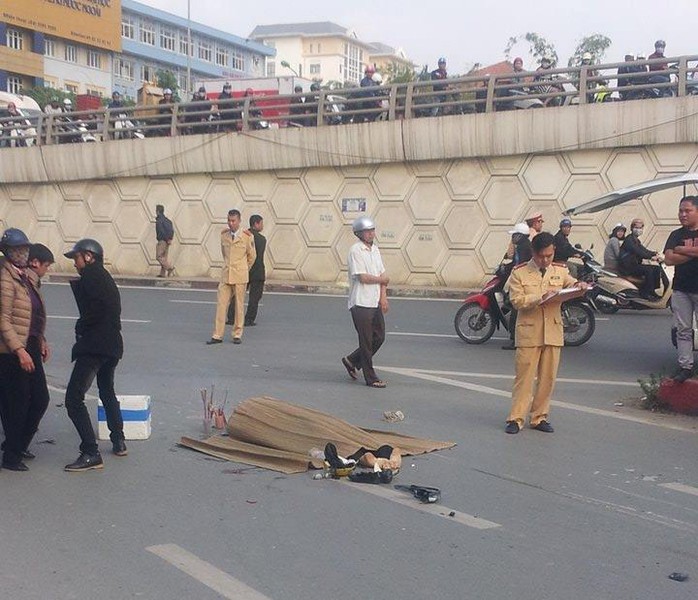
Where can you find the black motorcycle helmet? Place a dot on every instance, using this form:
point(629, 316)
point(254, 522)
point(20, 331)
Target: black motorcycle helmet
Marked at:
point(86, 245)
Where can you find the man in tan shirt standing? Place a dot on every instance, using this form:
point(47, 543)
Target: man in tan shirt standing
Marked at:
point(237, 247)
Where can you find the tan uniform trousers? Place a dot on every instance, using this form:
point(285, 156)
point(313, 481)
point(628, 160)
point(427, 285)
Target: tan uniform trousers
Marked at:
point(539, 362)
point(161, 251)
point(225, 292)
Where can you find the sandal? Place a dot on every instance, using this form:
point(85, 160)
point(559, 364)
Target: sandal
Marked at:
point(351, 369)
point(377, 384)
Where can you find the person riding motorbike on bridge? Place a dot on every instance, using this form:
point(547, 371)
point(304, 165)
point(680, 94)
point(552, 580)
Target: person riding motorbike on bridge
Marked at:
point(439, 74)
point(632, 253)
point(226, 110)
point(659, 47)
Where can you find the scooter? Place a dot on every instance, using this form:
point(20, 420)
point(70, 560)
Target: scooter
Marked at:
point(124, 129)
point(73, 131)
point(487, 310)
point(613, 291)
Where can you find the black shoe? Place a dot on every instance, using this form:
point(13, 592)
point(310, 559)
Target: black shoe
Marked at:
point(683, 375)
point(237, 341)
point(18, 466)
point(545, 427)
point(119, 448)
point(214, 341)
point(512, 427)
point(509, 346)
point(85, 462)
point(26, 455)
point(250, 324)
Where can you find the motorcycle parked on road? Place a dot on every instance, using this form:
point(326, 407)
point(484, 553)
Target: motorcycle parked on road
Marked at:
point(483, 312)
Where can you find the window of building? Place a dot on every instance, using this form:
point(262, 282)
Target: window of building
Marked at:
point(71, 53)
point(123, 68)
point(49, 82)
point(184, 46)
point(99, 92)
point(14, 38)
point(315, 69)
point(271, 69)
point(127, 29)
point(352, 62)
point(14, 84)
point(94, 59)
point(71, 88)
point(49, 48)
point(311, 48)
point(205, 51)
point(148, 73)
point(167, 39)
point(238, 60)
point(148, 33)
point(221, 57)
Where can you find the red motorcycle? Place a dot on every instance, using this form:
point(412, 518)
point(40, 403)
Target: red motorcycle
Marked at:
point(489, 309)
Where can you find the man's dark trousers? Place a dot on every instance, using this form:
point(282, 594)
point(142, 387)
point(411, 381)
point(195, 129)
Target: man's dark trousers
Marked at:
point(370, 325)
point(255, 288)
point(86, 367)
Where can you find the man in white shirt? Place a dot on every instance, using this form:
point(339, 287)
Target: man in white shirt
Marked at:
point(368, 301)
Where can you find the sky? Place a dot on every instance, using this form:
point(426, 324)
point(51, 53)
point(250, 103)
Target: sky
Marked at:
point(467, 32)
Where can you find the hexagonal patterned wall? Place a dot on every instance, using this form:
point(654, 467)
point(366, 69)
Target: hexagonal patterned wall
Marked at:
point(440, 223)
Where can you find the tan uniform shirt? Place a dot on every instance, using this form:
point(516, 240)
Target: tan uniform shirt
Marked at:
point(238, 256)
point(538, 325)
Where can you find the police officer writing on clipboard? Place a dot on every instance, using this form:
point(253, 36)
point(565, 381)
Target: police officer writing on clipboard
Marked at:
point(536, 289)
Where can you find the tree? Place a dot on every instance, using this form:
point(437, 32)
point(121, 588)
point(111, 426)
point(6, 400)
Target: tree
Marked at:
point(596, 44)
point(167, 79)
point(44, 95)
point(538, 46)
point(397, 73)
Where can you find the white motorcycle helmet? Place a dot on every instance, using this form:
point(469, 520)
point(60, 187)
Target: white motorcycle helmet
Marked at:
point(377, 78)
point(362, 224)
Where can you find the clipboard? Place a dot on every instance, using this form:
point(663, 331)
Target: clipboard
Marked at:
point(563, 295)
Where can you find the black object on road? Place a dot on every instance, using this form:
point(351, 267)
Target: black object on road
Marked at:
point(425, 494)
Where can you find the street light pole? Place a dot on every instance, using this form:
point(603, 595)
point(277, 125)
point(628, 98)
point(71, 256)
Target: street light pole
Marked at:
point(286, 65)
point(189, 48)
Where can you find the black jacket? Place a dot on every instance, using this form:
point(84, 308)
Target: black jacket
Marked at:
point(98, 330)
point(564, 250)
point(257, 272)
point(164, 230)
point(632, 252)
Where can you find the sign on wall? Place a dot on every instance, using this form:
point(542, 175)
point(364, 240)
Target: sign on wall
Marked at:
point(92, 22)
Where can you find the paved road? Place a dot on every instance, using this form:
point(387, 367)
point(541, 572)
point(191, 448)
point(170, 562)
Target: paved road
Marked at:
point(607, 507)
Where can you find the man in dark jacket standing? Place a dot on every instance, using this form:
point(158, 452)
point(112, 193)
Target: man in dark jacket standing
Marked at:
point(97, 350)
point(164, 233)
point(255, 286)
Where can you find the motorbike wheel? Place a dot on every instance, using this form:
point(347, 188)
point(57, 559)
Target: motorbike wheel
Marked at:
point(578, 322)
point(608, 309)
point(474, 324)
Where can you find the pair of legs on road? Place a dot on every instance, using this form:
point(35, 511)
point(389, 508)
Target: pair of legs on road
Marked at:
point(370, 327)
point(24, 398)
point(534, 366)
point(229, 293)
point(256, 289)
point(684, 306)
point(86, 368)
point(162, 250)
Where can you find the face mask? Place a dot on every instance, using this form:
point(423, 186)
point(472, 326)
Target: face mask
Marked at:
point(637, 231)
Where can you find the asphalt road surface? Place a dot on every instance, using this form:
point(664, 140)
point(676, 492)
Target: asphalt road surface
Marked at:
point(604, 508)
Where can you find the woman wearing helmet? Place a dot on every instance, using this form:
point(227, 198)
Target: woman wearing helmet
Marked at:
point(368, 301)
point(611, 255)
point(23, 350)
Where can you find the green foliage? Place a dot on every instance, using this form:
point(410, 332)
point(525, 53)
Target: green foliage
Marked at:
point(538, 46)
point(43, 95)
point(167, 79)
point(397, 73)
point(596, 44)
point(650, 387)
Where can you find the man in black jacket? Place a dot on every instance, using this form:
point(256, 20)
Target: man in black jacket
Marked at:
point(632, 253)
point(255, 286)
point(164, 234)
point(97, 350)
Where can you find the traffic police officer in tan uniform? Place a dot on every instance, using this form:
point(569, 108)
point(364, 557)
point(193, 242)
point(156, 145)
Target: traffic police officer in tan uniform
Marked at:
point(237, 247)
point(539, 334)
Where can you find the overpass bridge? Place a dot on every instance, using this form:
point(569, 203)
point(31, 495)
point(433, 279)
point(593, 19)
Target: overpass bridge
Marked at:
point(444, 190)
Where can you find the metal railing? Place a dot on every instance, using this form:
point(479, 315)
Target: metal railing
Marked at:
point(677, 76)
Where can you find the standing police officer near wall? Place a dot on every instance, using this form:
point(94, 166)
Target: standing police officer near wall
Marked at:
point(97, 350)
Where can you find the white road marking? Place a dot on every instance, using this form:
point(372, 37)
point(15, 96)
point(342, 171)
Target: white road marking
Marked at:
point(438, 510)
point(194, 301)
point(70, 318)
point(436, 335)
point(501, 393)
point(680, 487)
point(204, 572)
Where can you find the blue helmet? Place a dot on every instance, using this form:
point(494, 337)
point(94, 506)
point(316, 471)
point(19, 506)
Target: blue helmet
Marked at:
point(13, 238)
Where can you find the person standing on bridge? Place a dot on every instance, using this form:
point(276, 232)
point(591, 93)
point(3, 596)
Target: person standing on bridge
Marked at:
point(368, 301)
point(539, 334)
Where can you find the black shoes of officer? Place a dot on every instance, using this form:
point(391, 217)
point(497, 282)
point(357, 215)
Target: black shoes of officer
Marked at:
point(512, 427)
point(237, 341)
point(545, 427)
point(85, 462)
point(250, 324)
point(214, 341)
point(119, 448)
point(18, 466)
point(683, 375)
point(26, 455)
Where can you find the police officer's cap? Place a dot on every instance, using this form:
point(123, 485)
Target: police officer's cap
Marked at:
point(85, 245)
